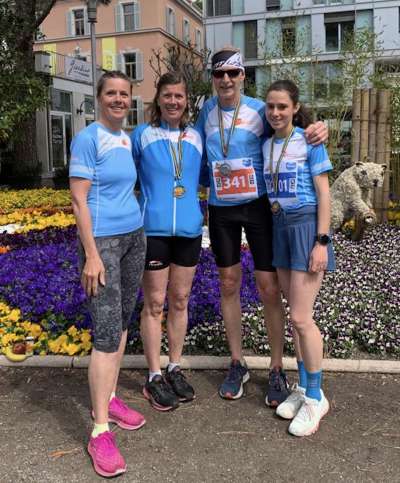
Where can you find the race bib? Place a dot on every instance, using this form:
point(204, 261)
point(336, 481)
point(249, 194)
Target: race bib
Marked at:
point(287, 183)
point(235, 179)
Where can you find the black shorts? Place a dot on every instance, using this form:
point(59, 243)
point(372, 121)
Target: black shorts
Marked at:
point(180, 250)
point(225, 227)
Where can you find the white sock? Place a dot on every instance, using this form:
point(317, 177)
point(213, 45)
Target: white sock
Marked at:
point(152, 375)
point(112, 396)
point(172, 365)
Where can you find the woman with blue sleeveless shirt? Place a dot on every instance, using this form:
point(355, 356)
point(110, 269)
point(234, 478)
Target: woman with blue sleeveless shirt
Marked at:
point(296, 175)
point(112, 251)
point(168, 153)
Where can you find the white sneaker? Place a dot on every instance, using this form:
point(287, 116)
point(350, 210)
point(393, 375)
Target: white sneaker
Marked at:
point(309, 416)
point(290, 407)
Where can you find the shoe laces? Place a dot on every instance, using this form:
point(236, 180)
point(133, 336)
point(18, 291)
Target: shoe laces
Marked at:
point(121, 405)
point(234, 372)
point(277, 380)
point(107, 442)
point(306, 412)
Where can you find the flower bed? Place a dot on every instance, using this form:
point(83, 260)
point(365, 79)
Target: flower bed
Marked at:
point(357, 308)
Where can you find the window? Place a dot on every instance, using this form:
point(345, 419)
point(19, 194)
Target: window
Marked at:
point(288, 36)
point(79, 21)
point(218, 7)
point(328, 81)
point(77, 24)
point(170, 21)
point(198, 44)
point(272, 5)
point(250, 39)
point(127, 16)
point(133, 65)
point(186, 31)
point(339, 30)
point(135, 114)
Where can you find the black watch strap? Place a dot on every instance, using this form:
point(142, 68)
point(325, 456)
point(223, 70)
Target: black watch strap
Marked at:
point(323, 239)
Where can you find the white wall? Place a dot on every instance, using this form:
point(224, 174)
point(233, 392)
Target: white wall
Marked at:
point(254, 6)
point(386, 20)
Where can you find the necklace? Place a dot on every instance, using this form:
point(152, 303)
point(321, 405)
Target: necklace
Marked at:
point(275, 175)
point(225, 145)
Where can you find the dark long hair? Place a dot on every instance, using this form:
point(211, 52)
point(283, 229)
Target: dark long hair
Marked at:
point(112, 74)
point(169, 78)
point(302, 118)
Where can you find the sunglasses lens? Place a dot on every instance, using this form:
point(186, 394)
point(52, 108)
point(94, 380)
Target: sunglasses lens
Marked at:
point(219, 74)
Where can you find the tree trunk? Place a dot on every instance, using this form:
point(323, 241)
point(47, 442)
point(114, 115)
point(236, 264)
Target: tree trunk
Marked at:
point(355, 130)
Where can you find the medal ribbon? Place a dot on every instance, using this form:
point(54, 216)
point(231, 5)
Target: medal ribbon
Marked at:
point(275, 176)
point(225, 146)
point(177, 158)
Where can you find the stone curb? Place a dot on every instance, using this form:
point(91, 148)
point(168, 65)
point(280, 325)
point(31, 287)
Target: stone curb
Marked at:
point(211, 362)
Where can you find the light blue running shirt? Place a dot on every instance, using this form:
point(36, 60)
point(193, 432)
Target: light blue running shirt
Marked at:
point(300, 163)
point(245, 179)
point(163, 213)
point(105, 158)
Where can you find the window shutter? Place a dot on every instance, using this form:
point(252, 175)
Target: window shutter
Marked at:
point(136, 9)
point(118, 17)
point(120, 62)
point(70, 31)
point(139, 66)
point(167, 23)
point(140, 110)
point(173, 24)
point(87, 26)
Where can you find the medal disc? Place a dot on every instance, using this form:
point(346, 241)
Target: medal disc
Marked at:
point(179, 191)
point(225, 169)
point(275, 207)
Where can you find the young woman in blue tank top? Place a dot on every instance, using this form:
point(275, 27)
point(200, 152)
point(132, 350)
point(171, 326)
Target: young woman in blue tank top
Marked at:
point(296, 175)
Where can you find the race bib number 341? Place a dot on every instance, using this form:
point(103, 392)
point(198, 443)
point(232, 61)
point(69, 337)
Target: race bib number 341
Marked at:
point(235, 179)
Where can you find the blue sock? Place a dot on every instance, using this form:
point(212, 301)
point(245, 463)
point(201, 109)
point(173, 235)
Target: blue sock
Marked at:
point(302, 374)
point(313, 389)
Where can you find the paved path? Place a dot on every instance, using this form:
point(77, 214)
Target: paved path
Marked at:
point(45, 421)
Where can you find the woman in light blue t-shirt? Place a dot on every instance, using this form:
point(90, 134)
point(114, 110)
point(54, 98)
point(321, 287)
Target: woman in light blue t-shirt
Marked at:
point(112, 251)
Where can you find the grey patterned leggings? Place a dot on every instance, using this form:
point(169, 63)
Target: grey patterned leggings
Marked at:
point(111, 310)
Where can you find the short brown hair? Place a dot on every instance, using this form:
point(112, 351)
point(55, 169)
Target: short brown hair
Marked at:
point(112, 74)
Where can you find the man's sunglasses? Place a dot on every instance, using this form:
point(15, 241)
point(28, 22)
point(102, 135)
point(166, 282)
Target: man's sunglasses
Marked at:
point(219, 74)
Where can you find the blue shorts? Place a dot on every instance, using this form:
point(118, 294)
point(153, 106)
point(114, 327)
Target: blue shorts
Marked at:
point(294, 238)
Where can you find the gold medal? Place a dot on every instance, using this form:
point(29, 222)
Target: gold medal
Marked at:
point(179, 191)
point(275, 207)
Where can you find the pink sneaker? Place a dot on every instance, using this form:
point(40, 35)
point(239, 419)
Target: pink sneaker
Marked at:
point(106, 458)
point(126, 418)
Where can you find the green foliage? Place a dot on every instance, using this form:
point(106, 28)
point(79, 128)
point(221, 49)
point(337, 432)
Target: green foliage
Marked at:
point(191, 63)
point(23, 91)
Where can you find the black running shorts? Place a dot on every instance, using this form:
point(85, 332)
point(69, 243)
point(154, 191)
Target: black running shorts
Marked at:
point(225, 226)
point(180, 250)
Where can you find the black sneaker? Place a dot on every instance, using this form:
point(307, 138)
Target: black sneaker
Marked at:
point(160, 394)
point(179, 384)
point(278, 387)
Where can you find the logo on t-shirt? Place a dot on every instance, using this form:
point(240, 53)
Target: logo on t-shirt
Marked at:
point(290, 165)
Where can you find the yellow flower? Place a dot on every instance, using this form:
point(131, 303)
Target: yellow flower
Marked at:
point(71, 349)
point(85, 336)
point(72, 331)
point(14, 315)
point(54, 346)
point(86, 346)
point(8, 339)
point(35, 330)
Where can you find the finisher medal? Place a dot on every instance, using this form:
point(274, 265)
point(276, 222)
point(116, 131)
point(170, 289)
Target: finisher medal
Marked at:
point(225, 169)
point(275, 207)
point(179, 191)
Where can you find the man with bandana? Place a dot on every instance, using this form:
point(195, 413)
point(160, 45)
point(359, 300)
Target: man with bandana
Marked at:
point(234, 127)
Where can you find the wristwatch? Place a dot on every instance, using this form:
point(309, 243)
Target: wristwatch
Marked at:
point(323, 239)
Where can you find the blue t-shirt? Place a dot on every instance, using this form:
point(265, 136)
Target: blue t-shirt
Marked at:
point(300, 163)
point(163, 213)
point(238, 178)
point(105, 158)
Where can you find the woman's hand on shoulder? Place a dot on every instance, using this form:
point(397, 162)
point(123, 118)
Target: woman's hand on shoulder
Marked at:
point(93, 274)
point(316, 133)
point(318, 258)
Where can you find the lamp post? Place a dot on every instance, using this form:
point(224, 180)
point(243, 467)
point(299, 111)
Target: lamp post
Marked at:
point(92, 19)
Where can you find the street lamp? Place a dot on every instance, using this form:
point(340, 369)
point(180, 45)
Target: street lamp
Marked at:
point(92, 19)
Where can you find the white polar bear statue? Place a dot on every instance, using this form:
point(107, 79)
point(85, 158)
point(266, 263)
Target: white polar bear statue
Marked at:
point(351, 193)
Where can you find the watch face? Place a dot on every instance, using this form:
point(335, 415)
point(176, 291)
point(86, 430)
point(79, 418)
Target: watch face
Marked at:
point(324, 239)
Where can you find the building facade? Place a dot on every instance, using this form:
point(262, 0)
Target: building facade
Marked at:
point(127, 33)
point(286, 28)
